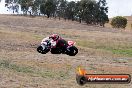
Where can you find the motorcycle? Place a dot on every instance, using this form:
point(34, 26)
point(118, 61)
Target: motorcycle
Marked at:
point(70, 50)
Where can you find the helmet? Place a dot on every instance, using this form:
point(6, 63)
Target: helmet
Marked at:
point(55, 37)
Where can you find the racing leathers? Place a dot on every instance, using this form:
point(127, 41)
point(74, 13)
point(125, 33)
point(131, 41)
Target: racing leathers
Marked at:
point(60, 43)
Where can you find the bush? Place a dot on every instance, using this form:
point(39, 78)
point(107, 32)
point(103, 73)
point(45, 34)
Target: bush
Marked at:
point(119, 22)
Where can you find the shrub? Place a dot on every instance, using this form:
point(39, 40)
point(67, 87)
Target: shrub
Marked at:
point(119, 22)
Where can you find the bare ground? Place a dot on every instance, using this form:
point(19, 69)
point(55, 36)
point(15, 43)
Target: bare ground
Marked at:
point(21, 66)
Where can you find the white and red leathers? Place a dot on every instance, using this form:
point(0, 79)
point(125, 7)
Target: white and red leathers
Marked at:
point(56, 41)
point(53, 43)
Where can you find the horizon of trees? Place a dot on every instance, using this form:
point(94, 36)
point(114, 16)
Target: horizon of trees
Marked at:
point(89, 11)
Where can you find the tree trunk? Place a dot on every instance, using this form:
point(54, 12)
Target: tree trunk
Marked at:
point(80, 20)
point(48, 15)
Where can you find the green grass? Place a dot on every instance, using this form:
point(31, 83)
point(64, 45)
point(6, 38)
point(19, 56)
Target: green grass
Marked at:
point(117, 48)
point(45, 73)
point(7, 64)
point(126, 52)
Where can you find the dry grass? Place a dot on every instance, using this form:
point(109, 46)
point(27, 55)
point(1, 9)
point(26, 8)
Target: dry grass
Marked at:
point(100, 51)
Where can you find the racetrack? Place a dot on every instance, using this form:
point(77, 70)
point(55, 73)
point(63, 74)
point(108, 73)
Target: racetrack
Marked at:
point(101, 51)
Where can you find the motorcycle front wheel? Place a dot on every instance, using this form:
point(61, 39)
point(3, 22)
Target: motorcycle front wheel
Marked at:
point(40, 50)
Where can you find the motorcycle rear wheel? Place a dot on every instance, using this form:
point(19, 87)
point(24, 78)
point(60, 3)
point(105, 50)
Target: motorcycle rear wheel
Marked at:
point(72, 51)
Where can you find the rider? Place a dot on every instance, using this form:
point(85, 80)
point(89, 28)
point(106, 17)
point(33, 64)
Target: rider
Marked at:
point(56, 41)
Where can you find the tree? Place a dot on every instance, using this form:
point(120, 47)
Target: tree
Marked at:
point(49, 7)
point(70, 10)
point(35, 7)
point(119, 22)
point(25, 4)
point(102, 12)
point(87, 10)
point(12, 5)
point(42, 8)
point(61, 8)
point(78, 12)
point(90, 11)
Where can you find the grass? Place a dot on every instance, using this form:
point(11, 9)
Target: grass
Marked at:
point(116, 48)
point(8, 65)
point(32, 71)
point(126, 52)
point(28, 68)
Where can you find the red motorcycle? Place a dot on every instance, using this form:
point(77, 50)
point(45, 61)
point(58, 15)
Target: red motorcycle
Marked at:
point(68, 49)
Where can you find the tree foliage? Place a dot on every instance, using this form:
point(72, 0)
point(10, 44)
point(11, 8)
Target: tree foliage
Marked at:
point(12, 5)
point(49, 7)
point(89, 11)
point(119, 22)
point(42, 8)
